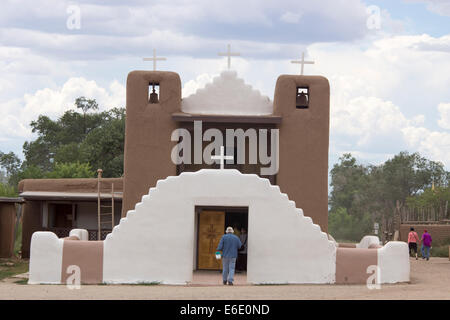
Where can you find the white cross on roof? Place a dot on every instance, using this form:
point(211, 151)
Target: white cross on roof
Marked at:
point(229, 54)
point(302, 62)
point(154, 59)
point(222, 157)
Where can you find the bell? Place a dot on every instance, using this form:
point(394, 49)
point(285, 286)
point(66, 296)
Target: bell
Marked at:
point(302, 100)
point(154, 96)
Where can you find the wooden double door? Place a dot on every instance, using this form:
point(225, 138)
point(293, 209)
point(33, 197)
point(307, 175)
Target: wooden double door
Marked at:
point(211, 227)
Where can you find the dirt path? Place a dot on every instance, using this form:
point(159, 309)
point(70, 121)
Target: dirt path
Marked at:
point(429, 280)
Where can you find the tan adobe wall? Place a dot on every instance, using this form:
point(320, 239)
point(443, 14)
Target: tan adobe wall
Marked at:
point(70, 185)
point(438, 233)
point(31, 222)
point(7, 224)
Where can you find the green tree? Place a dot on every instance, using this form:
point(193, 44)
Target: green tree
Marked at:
point(344, 226)
point(71, 170)
point(7, 191)
point(375, 191)
point(10, 162)
point(95, 138)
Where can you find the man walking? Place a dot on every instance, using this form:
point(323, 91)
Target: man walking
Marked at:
point(229, 245)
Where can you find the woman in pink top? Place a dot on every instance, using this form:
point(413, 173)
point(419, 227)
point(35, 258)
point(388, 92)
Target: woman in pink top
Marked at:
point(413, 238)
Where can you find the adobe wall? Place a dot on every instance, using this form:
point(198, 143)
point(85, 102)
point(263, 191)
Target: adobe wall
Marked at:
point(304, 139)
point(147, 133)
point(438, 233)
point(87, 185)
point(31, 222)
point(7, 225)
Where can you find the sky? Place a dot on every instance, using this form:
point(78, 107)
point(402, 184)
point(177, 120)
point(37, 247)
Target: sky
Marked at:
point(388, 62)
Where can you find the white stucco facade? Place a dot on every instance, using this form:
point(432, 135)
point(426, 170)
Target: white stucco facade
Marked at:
point(227, 95)
point(155, 242)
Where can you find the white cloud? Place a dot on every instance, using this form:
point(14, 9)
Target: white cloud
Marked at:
point(18, 113)
point(441, 7)
point(433, 144)
point(444, 111)
point(383, 96)
point(291, 17)
point(367, 118)
point(191, 86)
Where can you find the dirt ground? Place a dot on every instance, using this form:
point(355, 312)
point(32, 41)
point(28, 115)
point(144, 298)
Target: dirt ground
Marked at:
point(429, 280)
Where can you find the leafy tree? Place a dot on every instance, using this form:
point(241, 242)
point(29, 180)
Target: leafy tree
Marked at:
point(344, 226)
point(96, 138)
point(7, 191)
point(375, 191)
point(10, 162)
point(71, 170)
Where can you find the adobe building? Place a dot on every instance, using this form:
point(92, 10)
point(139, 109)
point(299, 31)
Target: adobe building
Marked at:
point(224, 156)
point(60, 205)
point(8, 222)
point(300, 111)
point(299, 115)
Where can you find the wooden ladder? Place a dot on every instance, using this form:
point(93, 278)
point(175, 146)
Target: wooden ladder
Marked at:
point(102, 217)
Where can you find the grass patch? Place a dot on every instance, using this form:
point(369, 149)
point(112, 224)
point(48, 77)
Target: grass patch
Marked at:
point(441, 251)
point(11, 267)
point(21, 281)
point(18, 241)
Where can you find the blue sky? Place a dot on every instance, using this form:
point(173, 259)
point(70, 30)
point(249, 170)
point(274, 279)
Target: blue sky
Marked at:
point(389, 84)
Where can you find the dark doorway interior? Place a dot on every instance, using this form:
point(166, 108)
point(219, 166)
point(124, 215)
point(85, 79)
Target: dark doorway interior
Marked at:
point(62, 215)
point(236, 217)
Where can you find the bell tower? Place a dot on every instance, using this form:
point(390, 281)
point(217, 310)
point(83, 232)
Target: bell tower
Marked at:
point(152, 97)
point(303, 102)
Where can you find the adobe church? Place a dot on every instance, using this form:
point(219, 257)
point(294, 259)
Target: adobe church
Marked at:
point(155, 108)
point(181, 190)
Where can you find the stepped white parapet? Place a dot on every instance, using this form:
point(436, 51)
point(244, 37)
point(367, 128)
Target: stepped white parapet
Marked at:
point(227, 95)
point(155, 242)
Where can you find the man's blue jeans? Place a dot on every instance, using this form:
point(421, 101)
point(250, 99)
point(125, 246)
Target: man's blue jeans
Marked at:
point(229, 265)
point(427, 253)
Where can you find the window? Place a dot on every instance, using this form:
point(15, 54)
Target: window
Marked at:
point(153, 90)
point(302, 100)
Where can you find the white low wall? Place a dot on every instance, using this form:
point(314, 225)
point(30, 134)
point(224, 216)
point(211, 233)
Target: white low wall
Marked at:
point(393, 262)
point(366, 241)
point(45, 258)
point(82, 234)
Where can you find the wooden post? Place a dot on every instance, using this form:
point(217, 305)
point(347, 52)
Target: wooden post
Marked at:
point(99, 177)
point(446, 207)
point(112, 206)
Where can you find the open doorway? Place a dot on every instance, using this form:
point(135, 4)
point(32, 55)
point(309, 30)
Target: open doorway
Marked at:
point(211, 223)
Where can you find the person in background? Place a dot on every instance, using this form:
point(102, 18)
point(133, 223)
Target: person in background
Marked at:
point(242, 254)
point(229, 245)
point(426, 244)
point(413, 239)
